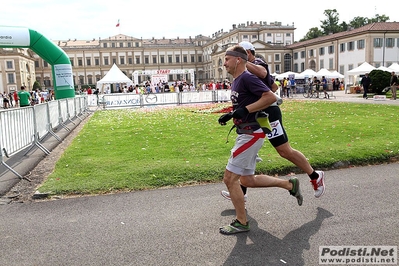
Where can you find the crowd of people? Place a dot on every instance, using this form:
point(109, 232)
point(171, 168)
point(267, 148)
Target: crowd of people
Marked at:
point(24, 98)
point(160, 87)
point(288, 86)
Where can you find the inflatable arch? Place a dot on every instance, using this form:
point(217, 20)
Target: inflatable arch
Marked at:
point(21, 37)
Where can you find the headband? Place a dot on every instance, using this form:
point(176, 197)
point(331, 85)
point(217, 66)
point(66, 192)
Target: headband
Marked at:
point(237, 54)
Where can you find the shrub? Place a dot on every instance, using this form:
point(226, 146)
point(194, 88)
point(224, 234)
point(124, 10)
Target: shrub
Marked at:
point(379, 80)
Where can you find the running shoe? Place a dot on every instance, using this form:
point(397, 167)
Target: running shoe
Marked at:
point(318, 185)
point(226, 195)
point(234, 228)
point(295, 191)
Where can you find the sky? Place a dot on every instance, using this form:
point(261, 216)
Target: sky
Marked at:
point(86, 20)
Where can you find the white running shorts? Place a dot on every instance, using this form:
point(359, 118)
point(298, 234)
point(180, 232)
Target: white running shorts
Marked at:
point(242, 160)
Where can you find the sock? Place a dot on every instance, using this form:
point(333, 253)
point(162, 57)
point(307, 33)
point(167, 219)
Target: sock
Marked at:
point(314, 175)
point(244, 189)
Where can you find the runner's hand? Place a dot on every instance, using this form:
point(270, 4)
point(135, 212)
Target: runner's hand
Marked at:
point(225, 118)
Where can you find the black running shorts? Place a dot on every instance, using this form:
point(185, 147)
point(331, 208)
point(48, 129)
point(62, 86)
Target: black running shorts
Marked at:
point(278, 136)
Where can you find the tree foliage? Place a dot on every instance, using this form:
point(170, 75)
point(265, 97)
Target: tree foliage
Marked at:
point(312, 33)
point(36, 85)
point(379, 18)
point(358, 22)
point(331, 24)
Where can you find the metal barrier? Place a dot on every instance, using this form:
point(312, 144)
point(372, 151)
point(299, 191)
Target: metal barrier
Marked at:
point(131, 100)
point(26, 127)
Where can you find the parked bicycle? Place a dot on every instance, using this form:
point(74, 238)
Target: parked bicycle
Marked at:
point(309, 92)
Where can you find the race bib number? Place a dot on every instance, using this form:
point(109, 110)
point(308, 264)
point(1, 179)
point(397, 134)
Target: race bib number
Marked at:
point(277, 130)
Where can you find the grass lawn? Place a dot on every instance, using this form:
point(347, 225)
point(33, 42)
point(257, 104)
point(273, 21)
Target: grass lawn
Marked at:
point(135, 149)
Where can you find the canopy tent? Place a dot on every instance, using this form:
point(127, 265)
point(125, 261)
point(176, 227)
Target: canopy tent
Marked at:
point(114, 75)
point(308, 73)
point(361, 70)
point(323, 72)
point(385, 69)
point(286, 75)
point(335, 74)
point(394, 67)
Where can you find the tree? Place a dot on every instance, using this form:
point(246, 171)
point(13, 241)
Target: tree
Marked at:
point(379, 18)
point(330, 25)
point(36, 85)
point(358, 22)
point(344, 26)
point(312, 33)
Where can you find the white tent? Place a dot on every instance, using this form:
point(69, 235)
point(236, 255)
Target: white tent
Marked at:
point(385, 69)
point(308, 73)
point(286, 74)
point(335, 74)
point(361, 70)
point(394, 67)
point(323, 72)
point(115, 75)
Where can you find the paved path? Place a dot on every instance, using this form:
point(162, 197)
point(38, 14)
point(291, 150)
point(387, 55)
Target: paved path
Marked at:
point(179, 226)
point(348, 97)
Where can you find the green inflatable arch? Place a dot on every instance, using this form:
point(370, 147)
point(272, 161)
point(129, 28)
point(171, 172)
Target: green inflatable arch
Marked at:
point(22, 37)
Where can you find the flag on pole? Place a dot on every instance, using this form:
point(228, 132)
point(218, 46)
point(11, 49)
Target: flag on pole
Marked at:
point(117, 24)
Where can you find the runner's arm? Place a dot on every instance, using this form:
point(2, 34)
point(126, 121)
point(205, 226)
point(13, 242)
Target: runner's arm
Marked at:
point(257, 70)
point(274, 87)
point(265, 101)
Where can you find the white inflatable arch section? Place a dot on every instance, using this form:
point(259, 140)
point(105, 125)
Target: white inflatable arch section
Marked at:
point(21, 37)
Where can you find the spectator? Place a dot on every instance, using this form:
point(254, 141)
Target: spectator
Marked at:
point(24, 97)
point(285, 88)
point(394, 85)
point(325, 86)
point(10, 99)
point(316, 83)
point(35, 96)
point(292, 86)
point(278, 91)
point(366, 83)
point(166, 87)
point(336, 84)
point(15, 95)
point(43, 96)
point(6, 102)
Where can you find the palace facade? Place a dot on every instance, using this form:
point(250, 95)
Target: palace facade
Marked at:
point(376, 43)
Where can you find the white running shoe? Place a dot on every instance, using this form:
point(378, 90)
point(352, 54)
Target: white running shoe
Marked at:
point(226, 195)
point(318, 185)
